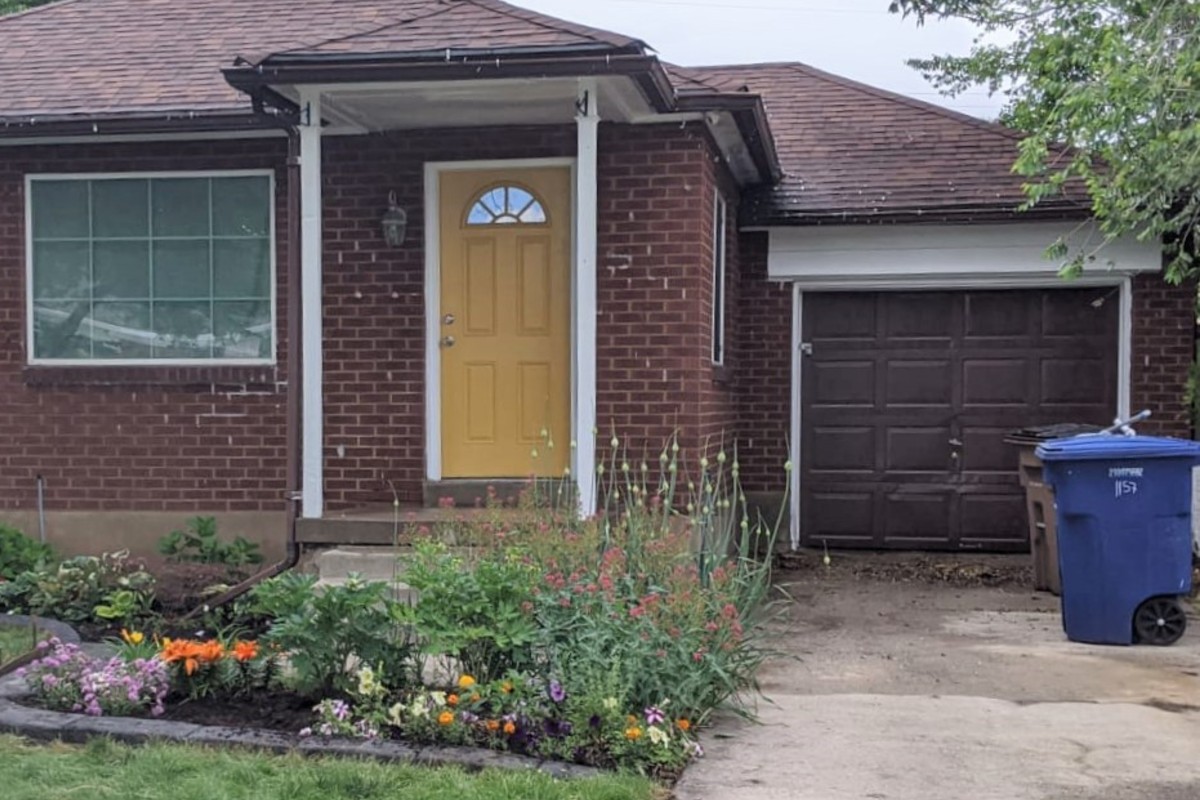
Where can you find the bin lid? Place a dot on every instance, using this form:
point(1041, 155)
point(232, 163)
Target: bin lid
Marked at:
point(1103, 446)
point(1036, 434)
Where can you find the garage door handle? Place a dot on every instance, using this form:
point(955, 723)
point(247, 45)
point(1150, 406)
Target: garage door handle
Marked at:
point(955, 443)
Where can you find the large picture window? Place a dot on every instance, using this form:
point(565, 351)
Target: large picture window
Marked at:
point(157, 269)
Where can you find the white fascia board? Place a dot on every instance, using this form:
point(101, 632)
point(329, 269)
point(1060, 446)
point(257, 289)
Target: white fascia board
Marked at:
point(934, 255)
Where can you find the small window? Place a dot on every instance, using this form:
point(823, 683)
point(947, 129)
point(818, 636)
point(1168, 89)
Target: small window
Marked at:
point(718, 294)
point(507, 205)
point(152, 269)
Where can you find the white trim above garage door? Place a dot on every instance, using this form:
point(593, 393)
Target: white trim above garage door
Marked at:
point(944, 256)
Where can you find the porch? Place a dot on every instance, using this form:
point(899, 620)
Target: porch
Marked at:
point(463, 340)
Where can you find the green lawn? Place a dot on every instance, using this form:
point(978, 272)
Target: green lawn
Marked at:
point(14, 641)
point(103, 770)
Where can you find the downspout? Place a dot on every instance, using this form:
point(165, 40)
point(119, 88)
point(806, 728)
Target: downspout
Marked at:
point(287, 121)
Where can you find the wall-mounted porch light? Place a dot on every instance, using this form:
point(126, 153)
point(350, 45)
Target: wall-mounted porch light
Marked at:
point(394, 223)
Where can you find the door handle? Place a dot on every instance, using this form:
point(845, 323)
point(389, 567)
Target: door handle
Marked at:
point(448, 319)
point(955, 443)
point(448, 341)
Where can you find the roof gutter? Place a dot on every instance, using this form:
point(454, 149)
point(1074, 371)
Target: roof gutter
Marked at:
point(750, 115)
point(645, 71)
point(131, 124)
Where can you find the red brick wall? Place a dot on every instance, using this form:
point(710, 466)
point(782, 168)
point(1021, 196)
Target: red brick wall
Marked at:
point(654, 328)
point(1164, 335)
point(151, 439)
point(765, 376)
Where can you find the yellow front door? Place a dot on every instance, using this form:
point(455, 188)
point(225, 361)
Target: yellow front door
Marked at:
point(505, 322)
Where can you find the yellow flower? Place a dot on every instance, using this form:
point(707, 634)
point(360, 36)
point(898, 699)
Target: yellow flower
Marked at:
point(659, 736)
point(633, 733)
point(134, 638)
point(610, 704)
point(506, 687)
point(446, 718)
point(466, 682)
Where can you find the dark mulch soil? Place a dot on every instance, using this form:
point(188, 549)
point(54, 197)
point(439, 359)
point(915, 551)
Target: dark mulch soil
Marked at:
point(939, 569)
point(278, 712)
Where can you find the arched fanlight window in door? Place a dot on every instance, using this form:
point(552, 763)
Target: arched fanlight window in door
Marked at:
point(507, 205)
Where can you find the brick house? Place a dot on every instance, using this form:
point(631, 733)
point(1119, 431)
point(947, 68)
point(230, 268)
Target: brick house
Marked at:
point(296, 258)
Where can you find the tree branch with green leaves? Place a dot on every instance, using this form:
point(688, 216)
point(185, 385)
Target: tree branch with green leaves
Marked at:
point(1107, 93)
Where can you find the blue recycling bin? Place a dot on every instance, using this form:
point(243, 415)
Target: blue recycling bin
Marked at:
point(1124, 508)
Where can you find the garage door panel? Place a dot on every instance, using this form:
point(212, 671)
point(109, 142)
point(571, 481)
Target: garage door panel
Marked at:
point(1075, 314)
point(917, 449)
point(1071, 381)
point(846, 318)
point(842, 383)
point(995, 521)
point(995, 382)
point(924, 383)
point(916, 519)
point(837, 449)
point(991, 315)
point(985, 451)
point(920, 316)
point(847, 517)
point(888, 394)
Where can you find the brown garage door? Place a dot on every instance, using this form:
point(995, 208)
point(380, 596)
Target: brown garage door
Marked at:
point(906, 399)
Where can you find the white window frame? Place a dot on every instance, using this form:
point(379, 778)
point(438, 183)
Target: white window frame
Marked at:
point(720, 247)
point(32, 360)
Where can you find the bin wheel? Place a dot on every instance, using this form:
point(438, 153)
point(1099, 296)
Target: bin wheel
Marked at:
point(1160, 621)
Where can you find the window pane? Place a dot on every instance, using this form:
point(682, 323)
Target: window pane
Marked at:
point(180, 207)
point(121, 330)
point(242, 268)
point(120, 208)
point(184, 330)
point(241, 206)
point(121, 270)
point(60, 269)
point(59, 329)
point(182, 268)
point(60, 209)
point(242, 330)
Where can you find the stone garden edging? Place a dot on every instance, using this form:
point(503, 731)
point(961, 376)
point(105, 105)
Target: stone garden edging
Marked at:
point(43, 725)
point(53, 627)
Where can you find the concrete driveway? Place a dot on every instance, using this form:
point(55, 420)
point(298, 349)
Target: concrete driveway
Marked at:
point(914, 691)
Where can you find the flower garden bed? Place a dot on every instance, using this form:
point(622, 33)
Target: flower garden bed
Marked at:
point(561, 644)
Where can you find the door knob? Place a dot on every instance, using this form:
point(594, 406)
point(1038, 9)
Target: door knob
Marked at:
point(448, 319)
point(448, 341)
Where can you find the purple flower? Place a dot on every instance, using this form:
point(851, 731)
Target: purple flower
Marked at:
point(557, 692)
point(340, 710)
point(655, 716)
point(594, 722)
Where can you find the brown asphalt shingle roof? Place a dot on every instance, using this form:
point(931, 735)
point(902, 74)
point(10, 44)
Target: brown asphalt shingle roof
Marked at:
point(849, 152)
point(852, 152)
point(112, 57)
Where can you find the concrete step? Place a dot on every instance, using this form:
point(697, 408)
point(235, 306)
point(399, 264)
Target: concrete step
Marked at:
point(369, 563)
point(401, 591)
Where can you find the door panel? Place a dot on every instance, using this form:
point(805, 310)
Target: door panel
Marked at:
point(505, 327)
point(907, 398)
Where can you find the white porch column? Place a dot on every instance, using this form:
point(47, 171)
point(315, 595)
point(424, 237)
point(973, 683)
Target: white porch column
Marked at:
point(587, 121)
point(313, 469)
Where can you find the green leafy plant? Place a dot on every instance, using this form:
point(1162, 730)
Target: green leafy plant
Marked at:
point(477, 610)
point(200, 543)
point(19, 553)
point(325, 631)
point(75, 590)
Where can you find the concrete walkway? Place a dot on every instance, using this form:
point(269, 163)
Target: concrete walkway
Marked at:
point(907, 691)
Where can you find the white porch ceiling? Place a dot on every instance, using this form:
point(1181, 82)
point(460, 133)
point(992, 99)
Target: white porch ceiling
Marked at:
point(373, 107)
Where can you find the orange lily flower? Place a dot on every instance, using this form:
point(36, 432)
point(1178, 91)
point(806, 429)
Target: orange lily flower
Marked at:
point(245, 651)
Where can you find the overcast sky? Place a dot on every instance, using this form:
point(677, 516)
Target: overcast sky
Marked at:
point(855, 38)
